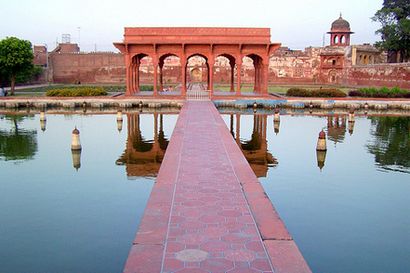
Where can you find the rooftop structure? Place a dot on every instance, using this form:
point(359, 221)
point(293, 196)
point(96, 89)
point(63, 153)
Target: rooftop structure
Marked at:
point(340, 32)
point(208, 43)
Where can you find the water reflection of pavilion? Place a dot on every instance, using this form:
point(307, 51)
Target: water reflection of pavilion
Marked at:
point(255, 149)
point(143, 157)
point(336, 128)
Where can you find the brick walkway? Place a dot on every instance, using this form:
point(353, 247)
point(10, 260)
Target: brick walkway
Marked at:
point(207, 211)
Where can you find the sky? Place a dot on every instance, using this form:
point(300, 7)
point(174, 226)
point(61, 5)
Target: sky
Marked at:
point(96, 24)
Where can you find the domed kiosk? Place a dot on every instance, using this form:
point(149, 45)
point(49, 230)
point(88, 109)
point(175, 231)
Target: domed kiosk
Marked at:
point(340, 32)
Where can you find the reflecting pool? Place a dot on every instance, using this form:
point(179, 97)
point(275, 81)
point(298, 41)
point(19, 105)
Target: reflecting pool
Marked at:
point(348, 208)
point(75, 212)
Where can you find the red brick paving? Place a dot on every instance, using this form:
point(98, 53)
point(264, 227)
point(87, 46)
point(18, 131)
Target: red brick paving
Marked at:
point(207, 211)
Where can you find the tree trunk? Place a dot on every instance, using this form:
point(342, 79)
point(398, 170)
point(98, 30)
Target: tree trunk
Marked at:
point(15, 126)
point(406, 56)
point(13, 85)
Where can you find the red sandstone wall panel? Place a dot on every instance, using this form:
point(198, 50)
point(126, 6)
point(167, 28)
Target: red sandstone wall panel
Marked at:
point(226, 49)
point(389, 75)
point(146, 49)
point(254, 49)
point(88, 68)
point(169, 49)
point(197, 49)
point(110, 68)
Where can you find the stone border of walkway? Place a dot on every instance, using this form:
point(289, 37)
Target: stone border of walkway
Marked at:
point(150, 241)
point(283, 251)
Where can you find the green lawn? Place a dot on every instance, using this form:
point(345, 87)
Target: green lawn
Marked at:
point(227, 87)
point(41, 90)
point(111, 89)
point(279, 89)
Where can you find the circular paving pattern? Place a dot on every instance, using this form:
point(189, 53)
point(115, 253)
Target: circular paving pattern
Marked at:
point(191, 255)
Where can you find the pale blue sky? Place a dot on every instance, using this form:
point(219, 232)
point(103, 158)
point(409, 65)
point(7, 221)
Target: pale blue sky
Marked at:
point(294, 23)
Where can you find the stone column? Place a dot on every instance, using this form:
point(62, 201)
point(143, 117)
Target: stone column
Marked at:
point(137, 76)
point(128, 75)
point(260, 77)
point(211, 77)
point(155, 63)
point(133, 77)
point(183, 75)
point(232, 77)
point(238, 75)
point(257, 75)
point(131, 73)
point(207, 76)
point(161, 84)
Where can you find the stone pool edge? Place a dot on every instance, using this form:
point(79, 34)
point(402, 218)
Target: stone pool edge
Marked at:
point(256, 102)
point(284, 254)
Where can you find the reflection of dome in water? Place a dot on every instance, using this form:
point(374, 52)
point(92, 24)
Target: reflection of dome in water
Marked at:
point(340, 24)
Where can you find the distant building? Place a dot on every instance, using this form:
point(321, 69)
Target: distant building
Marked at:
point(340, 32)
point(337, 63)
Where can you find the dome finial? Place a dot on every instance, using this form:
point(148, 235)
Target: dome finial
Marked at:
point(340, 15)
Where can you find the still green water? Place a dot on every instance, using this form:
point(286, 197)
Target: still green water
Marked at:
point(347, 213)
point(350, 213)
point(57, 217)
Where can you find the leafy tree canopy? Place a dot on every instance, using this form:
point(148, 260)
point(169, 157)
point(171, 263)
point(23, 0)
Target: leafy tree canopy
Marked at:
point(394, 17)
point(16, 59)
point(391, 143)
point(17, 144)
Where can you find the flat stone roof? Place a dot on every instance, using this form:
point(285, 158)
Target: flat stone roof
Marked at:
point(207, 35)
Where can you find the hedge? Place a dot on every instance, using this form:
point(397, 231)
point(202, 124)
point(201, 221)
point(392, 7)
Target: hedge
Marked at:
point(383, 92)
point(84, 91)
point(322, 92)
point(146, 88)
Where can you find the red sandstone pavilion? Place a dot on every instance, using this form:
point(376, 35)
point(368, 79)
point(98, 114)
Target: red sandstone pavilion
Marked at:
point(208, 43)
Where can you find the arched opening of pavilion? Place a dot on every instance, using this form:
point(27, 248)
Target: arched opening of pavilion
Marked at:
point(225, 73)
point(253, 74)
point(197, 72)
point(209, 43)
point(141, 73)
point(169, 75)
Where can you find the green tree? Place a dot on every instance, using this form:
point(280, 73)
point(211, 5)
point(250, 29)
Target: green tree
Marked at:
point(29, 74)
point(394, 17)
point(391, 143)
point(16, 143)
point(16, 59)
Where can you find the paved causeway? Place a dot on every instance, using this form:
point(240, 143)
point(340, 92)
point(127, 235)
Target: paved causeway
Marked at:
point(207, 211)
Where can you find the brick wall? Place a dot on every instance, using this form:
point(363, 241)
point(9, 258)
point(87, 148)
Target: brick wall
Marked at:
point(87, 67)
point(389, 75)
point(109, 68)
